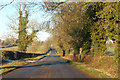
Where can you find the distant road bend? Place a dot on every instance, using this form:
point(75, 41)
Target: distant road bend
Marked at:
point(51, 66)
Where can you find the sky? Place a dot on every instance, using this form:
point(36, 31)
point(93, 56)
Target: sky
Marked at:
point(10, 11)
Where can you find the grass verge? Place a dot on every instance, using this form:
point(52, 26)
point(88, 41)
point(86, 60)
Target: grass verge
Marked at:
point(15, 48)
point(12, 66)
point(91, 71)
point(30, 49)
point(35, 58)
point(17, 64)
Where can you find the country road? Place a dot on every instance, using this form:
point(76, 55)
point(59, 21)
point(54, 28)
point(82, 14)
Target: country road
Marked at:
point(51, 66)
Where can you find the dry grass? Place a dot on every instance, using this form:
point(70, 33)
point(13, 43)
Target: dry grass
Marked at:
point(104, 64)
point(17, 64)
point(36, 58)
point(11, 66)
point(30, 49)
point(91, 71)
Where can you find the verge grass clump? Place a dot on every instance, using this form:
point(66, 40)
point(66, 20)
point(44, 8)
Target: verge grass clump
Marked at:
point(105, 64)
point(35, 58)
point(11, 66)
point(17, 64)
point(91, 71)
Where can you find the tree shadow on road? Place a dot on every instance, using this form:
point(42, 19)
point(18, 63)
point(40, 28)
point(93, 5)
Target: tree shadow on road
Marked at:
point(42, 63)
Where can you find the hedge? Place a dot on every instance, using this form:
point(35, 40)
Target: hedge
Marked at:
point(16, 55)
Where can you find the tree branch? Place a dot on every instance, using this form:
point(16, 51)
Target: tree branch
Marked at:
point(3, 6)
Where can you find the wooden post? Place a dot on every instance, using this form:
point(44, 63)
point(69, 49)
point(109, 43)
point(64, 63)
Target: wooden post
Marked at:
point(33, 54)
point(79, 56)
point(80, 51)
point(92, 50)
point(15, 55)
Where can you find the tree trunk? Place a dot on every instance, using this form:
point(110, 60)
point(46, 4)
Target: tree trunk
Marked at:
point(76, 51)
point(63, 52)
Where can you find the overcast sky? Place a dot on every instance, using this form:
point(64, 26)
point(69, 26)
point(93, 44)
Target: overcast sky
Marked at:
point(11, 11)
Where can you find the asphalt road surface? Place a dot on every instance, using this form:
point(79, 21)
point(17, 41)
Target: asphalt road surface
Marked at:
point(51, 66)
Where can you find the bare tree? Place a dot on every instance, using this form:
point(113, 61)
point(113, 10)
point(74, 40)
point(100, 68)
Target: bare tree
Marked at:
point(4, 5)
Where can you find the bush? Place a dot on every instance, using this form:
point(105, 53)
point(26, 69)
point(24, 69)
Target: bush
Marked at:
point(15, 55)
point(7, 55)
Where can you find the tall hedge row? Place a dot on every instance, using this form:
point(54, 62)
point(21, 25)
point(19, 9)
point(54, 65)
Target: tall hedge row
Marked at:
point(15, 55)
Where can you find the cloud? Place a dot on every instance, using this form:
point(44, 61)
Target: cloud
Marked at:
point(42, 36)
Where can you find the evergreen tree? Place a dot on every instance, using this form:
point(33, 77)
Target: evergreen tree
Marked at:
point(98, 32)
point(24, 39)
point(104, 18)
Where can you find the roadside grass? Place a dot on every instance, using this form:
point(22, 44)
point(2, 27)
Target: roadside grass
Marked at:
point(17, 64)
point(12, 66)
point(34, 49)
point(35, 58)
point(91, 71)
point(30, 49)
point(15, 48)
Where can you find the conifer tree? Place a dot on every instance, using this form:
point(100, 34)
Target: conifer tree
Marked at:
point(23, 38)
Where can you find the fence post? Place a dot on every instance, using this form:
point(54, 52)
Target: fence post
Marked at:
point(33, 55)
point(15, 55)
point(80, 53)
